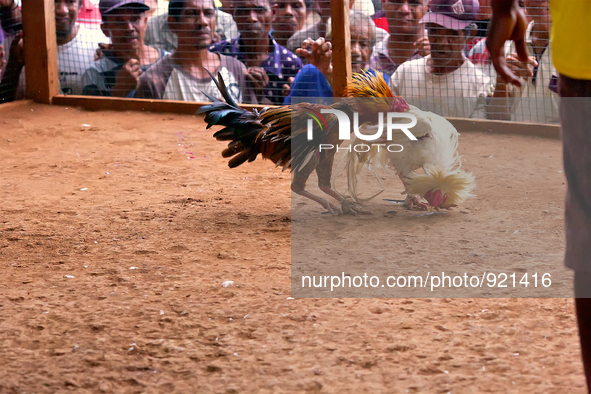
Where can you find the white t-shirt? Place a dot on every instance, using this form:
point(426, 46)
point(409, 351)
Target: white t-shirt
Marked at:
point(461, 94)
point(75, 57)
point(165, 80)
point(182, 86)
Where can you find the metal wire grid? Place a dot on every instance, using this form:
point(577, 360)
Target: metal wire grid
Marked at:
point(160, 50)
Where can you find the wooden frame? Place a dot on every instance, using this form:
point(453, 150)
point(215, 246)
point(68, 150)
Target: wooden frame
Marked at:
point(40, 50)
point(506, 127)
point(94, 103)
point(181, 107)
point(341, 46)
point(43, 85)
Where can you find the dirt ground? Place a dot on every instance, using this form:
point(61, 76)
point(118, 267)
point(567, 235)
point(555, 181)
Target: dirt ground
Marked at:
point(118, 229)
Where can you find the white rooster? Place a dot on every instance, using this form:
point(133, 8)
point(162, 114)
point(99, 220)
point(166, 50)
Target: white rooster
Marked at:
point(442, 184)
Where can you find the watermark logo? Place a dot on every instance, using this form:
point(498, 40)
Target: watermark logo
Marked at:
point(319, 119)
point(345, 129)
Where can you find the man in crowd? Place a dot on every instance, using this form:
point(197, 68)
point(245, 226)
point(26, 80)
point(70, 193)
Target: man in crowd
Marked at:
point(75, 52)
point(571, 48)
point(537, 101)
point(445, 82)
point(407, 39)
point(159, 35)
point(118, 72)
point(315, 79)
point(270, 66)
point(320, 28)
point(183, 75)
point(289, 16)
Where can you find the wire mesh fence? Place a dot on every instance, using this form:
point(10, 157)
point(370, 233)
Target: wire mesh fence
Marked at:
point(433, 53)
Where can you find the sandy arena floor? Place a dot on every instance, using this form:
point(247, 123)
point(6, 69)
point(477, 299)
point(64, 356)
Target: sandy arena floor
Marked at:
point(117, 230)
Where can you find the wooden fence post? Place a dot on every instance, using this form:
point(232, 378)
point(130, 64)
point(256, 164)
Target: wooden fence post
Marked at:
point(341, 45)
point(40, 50)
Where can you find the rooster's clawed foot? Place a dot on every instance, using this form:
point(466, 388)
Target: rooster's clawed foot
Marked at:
point(332, 208)
point(351, 208)
point(414, 201)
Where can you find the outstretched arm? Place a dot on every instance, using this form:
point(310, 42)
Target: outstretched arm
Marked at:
point(508, 23)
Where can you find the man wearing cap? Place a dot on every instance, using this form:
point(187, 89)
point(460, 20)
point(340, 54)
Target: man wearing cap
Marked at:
point(445, 82)
point(183, 75)
point(118, 72)
point(76, 48)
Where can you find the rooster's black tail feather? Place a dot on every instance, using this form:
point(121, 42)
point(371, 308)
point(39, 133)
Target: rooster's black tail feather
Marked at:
point(241, 127)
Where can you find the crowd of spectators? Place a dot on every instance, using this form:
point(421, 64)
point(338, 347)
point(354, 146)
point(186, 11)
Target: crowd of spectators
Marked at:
point(431, 52)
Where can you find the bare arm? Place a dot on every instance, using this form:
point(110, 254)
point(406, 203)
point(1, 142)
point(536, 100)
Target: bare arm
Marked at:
point(508, 23)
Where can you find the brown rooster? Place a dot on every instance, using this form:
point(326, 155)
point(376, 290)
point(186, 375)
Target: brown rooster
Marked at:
point(280, 134)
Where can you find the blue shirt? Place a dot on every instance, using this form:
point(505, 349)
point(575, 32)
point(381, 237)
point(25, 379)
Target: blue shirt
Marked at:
point(310, 82)
point(280, 65)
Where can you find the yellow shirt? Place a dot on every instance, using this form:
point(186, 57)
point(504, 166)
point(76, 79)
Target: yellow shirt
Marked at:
point(571, 37)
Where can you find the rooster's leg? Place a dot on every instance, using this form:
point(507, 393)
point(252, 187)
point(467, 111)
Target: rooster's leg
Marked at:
point(324, 171)
point(332, 208)
point(298, 185)
point(348, 207)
